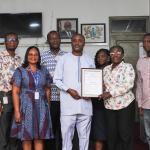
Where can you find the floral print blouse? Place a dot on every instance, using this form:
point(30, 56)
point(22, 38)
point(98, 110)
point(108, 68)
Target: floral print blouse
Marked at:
point(8, 64)
point(119, 82)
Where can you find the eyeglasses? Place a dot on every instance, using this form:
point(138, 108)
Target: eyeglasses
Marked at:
point(30, 55)
point(115, 53)
point(11, 40)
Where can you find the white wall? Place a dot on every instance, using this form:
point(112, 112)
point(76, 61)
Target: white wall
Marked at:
point(87, 11)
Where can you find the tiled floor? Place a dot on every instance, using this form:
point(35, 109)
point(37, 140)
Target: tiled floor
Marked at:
point(138, 143)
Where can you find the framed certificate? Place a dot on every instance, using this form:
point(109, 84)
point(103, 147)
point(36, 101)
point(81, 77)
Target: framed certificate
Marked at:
point(91, 82)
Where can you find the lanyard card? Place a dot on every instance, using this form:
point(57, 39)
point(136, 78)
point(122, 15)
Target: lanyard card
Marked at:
point(5, 100)
point(36, 95)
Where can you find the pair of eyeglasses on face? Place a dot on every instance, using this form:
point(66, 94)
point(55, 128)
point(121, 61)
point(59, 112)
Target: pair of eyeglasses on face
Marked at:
point(11, 40)
point(30, 55)
point(115, 53)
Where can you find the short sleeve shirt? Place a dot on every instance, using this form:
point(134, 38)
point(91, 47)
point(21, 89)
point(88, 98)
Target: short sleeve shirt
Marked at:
point(8, 64)
point(49, 60)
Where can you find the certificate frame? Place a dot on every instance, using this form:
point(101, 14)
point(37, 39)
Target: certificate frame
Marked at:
point(91, 82)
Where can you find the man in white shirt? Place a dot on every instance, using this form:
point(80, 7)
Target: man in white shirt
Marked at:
point(75, 110)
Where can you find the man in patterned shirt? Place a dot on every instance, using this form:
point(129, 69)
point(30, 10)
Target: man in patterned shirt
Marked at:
point(49, 60)
point(9, 61)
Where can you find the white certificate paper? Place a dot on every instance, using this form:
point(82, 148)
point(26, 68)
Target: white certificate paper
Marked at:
point(91, 82)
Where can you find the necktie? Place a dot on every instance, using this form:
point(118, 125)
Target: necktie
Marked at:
point(69, 34)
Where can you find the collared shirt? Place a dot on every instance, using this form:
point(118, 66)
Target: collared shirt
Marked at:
point(119, 82)
point(8, 64)
point(68, 75)
point(143, 83)
point(49, 60)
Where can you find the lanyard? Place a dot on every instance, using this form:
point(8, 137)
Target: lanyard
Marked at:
point(36, 78)
point(79, 68)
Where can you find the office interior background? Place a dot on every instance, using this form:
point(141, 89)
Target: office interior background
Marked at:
point(87, 12)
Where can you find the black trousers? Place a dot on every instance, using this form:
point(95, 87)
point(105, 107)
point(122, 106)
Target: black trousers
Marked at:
point(7, 143)
point(120, 128)
point(56, 143)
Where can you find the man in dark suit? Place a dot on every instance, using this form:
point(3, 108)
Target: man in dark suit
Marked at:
point(67, 32)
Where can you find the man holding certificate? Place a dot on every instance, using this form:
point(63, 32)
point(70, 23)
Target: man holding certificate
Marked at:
point(75, 110)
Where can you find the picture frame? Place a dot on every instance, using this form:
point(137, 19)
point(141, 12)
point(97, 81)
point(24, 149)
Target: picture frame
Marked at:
point(94, 32)
point(66, 28)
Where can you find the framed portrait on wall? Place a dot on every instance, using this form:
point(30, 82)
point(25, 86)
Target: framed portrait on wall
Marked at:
point(66, 28)
point(94, 33)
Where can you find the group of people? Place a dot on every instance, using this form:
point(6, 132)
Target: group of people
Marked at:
point(41, 102)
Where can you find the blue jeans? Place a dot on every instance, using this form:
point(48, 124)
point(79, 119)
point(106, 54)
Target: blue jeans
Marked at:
point(147, 125)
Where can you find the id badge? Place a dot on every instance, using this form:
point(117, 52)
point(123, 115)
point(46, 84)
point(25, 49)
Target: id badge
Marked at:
point(5, 100)
point(36, 95)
